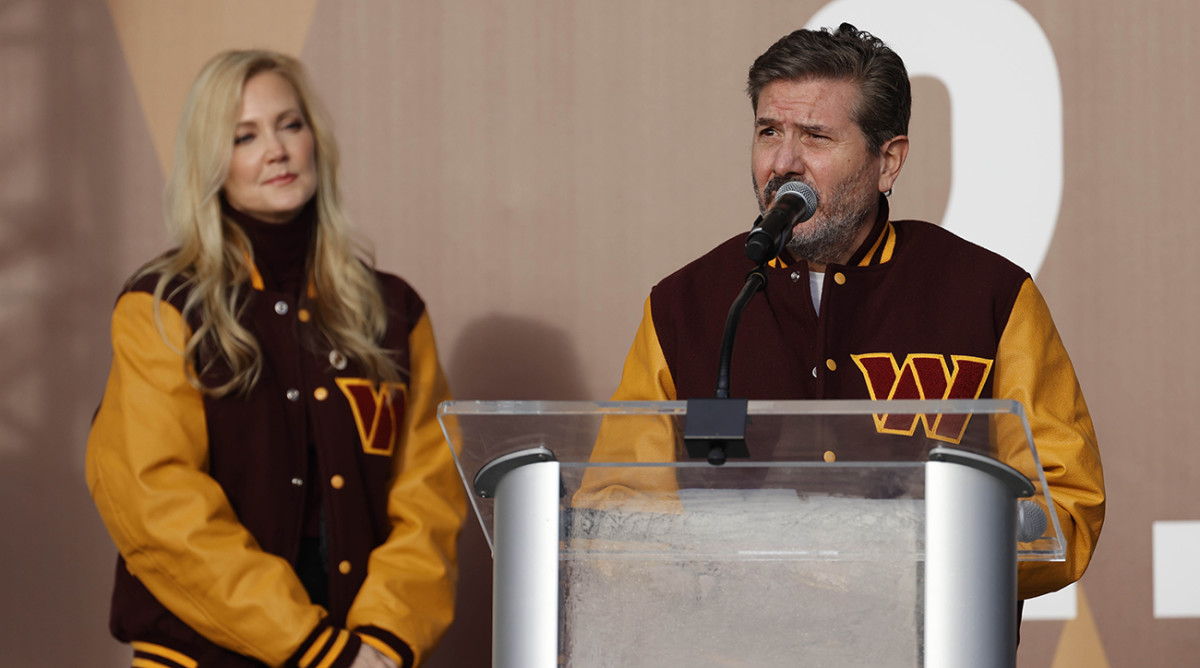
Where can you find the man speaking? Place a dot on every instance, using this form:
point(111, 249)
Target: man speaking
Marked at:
point(855, 297)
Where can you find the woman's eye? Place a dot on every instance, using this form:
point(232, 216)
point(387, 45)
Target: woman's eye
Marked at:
point(242, 139)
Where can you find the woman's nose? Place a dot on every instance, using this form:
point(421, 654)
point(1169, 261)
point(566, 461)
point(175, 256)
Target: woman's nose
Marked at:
point(276, 150)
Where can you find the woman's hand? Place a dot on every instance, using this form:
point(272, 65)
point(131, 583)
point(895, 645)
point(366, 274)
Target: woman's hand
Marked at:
point(369, 657)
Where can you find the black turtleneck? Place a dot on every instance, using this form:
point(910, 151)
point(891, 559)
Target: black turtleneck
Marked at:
point(280, 249)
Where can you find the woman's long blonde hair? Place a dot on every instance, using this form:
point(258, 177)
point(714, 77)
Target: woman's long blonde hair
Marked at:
point(214, 255)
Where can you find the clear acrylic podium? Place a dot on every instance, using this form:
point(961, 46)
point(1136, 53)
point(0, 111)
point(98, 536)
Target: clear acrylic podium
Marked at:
point(855, 533)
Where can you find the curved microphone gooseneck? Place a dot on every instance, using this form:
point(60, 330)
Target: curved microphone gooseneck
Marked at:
point(794, 203)
point(722, 420)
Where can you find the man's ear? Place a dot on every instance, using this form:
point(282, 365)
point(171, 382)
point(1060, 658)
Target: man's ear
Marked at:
point(892, 154)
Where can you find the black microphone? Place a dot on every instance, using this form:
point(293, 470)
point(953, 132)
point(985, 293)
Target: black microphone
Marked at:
point(795, 202)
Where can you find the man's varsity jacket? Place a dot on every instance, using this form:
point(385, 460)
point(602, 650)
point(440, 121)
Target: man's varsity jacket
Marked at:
point(913, 296)
point(205, 497)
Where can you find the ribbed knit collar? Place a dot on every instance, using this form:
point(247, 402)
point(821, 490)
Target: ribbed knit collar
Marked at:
point(280, 249)
point(876, 249)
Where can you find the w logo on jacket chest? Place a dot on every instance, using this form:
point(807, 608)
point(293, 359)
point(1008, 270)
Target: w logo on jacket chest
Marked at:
point(378, 412)
point(923, 376)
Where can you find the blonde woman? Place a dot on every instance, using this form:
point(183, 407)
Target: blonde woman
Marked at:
point(266, 455)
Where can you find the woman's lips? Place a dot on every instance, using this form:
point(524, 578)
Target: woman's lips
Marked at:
point(281, 180)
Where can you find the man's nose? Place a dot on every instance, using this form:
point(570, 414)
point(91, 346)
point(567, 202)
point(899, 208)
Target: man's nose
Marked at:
point(789, 159)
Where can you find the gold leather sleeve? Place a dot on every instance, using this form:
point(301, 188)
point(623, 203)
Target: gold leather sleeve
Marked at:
point(410, 584)
point(147, 463)
point(646, 377)
point(1032, 367)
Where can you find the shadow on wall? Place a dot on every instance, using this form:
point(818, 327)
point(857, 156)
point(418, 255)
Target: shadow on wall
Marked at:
point(506, 357)
point(65, 172)
point(923, 190)
point(497, 357)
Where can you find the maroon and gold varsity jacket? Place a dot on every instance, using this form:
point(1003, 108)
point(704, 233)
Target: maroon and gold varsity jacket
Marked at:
point(917, 313)
point(205, 496)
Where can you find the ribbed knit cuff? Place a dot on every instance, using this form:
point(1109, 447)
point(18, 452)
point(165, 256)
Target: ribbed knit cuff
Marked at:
point(326, 647)
point(392, 647)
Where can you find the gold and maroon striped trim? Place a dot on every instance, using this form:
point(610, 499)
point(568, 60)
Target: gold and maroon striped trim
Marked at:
point(392, 647)
point(383, 648)
point(326, 649)
point(150, 655)
point(881, 251)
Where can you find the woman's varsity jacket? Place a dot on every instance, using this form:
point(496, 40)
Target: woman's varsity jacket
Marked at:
point(205, 497)
point(917, 313)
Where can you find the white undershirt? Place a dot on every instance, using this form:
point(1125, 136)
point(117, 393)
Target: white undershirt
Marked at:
point(816, 281)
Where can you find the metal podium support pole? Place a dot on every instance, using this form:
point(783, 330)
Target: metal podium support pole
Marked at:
point(525, 588)
point(971, 560)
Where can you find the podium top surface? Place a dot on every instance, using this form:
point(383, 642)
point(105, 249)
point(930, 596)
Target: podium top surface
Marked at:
point(645, 457)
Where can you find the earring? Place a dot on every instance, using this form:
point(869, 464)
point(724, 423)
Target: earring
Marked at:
point(888, 193)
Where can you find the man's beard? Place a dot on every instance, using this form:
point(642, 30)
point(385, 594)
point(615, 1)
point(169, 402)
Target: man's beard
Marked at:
point(827, 238)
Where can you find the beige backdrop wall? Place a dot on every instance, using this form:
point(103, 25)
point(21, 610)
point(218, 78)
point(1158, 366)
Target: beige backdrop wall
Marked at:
point(533, 167)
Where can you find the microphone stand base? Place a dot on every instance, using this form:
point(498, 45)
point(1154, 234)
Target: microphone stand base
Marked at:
point(715, 430)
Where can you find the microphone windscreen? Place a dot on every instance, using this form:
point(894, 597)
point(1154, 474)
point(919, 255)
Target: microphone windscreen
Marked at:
point(1031, 521)
point(804, 191)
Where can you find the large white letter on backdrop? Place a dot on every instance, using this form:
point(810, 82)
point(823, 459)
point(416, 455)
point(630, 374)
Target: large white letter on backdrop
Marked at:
point(1005, 128)
point(1005, 111)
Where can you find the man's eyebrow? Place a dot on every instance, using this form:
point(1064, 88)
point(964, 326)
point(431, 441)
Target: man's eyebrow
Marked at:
point(813, 128)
